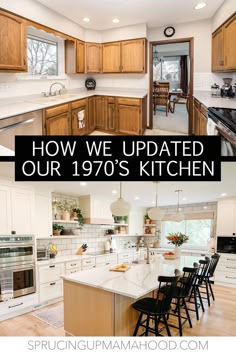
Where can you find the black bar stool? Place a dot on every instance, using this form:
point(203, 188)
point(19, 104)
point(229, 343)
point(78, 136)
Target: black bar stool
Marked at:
point(195, 294)
point(156, 309)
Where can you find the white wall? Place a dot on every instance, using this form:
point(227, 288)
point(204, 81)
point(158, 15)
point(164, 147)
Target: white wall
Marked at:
point(223, 13)
point(123, 33)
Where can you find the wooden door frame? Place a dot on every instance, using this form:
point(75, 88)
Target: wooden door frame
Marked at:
point(190, 40)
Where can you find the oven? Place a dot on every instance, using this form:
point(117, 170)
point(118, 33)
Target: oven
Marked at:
point(17, 266)
point(222, 121)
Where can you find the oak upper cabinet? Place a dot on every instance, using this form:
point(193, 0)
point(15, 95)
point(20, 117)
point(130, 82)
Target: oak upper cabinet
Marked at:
point(129, 116)
point(223, 46)
point(229, 44)
point(110, 103)
point(226, 217)
point(217, 50)
point(79, 117)
point(100, 119)
point(93, 58)
point(74, 57)
point(111, 57)
point(57, 120)
point(12, 43)
point(133, 56)
point(91, 114)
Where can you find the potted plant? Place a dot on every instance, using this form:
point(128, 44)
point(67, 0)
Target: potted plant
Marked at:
point(78, 216)
point(57, 229)
point(147, 219)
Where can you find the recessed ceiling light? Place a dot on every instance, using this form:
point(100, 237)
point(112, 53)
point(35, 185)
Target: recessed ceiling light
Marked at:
point(115, 20)
point(153, 202)
point(200, 6)
point(184, 198)
point(205, 207)
point(223, 194)
point(136, 198)
point(114, 191)
point(83, 184)
point(86, 19)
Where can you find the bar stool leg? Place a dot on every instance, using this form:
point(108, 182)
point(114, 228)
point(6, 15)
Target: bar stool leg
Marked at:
point(138, 324)
point(147, 325)
point(166, 325)
point(187, 314)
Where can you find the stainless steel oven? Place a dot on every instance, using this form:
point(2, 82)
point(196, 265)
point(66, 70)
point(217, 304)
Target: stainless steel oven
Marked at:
point(17, 266)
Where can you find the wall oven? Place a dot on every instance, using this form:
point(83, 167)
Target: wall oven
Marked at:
point(17, 266)
point(226, 244)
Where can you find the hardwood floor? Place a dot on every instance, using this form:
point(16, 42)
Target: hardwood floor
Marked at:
point(218, 320)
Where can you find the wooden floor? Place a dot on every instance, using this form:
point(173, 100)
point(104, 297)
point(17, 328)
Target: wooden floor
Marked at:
point(218, 320)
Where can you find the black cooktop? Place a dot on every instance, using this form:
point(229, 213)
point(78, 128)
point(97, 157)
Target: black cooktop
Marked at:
point(226, 115)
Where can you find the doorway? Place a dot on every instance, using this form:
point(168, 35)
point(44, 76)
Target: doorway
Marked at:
point(171, 63)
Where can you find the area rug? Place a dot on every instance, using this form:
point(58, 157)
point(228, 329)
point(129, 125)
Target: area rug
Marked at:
point(53, 316)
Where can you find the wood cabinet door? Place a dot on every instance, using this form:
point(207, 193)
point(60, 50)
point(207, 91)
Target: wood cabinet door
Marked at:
point(230, 44)
point(80, 56)
point(93, 57)
point(133, 56)
point(79, 119)
point(128, 119)
point(202, 124)
point(100, 120)
point(110, 114)
point(91, 114)
point(58, 125)
point(12, 43)
point(196, 113)
point(218, 50)
point(111, 57)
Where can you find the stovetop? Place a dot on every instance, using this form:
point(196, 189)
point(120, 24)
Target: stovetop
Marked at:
point(226, 116)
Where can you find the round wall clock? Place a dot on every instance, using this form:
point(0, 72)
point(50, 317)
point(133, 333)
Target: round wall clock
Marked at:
point(169, 31)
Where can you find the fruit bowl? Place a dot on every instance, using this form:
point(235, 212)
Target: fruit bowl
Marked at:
point(169, 255)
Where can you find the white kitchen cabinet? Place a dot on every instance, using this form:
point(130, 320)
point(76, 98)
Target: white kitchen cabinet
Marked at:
point(17, 207)
point(226, 217)
point(225, 272)
point(50, 282)
point(43, 212)
point(88, 263)
point(105, 260)
point(95, 210)
point(73, 267)
point(126, 257)
point(18, 306)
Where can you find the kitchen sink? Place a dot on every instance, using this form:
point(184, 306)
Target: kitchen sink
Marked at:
point(51, 98)
point(66, 95)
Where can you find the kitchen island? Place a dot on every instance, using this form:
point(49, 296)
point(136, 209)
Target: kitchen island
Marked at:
point(97, 302)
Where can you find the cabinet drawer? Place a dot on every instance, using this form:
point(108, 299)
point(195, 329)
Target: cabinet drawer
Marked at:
point(78, 104)
point(88, 263)
point(111, 258)
point(54, 111)
point(129, 101)
point(50, 273)
point(225, 277)
point(71, 265)
point(227, 268)
point(51, 290)
point(73, 270)
point(101, 264)
point(101, 260)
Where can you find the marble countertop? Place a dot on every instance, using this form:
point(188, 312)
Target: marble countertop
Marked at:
point(13, 106)
point(136, 282)
point(205, 98)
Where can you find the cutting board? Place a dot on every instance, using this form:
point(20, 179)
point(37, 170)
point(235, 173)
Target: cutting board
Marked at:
point(114, 269)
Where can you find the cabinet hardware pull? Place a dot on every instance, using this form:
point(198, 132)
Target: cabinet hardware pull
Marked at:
point(52, 266)
point(73, 264)
point(231, 267)
point(230, 259)
point(10, 307)
point(230, 277)
point(53, 283)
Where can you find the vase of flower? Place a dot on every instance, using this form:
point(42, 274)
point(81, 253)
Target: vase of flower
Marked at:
point(177, 251)
point(177, 239)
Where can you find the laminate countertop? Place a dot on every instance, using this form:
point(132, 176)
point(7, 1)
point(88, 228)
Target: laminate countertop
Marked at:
point(136, 282)
point(205, 98)
point(13, 106)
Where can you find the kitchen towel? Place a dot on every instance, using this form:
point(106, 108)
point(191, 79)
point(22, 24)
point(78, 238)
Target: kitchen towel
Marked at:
point(80, 116)
point(6, 282)
point(211, 127)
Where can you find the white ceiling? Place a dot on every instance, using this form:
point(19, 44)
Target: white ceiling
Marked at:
point(194, 192)
point(130, 12)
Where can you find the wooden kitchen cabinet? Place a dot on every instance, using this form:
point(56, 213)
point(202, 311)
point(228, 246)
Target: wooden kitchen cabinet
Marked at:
point(74, 57)
point(223, 46)
point(131, 116)
point(93, 57)
point(110, 114)
point(12, 43)
point(57, 120)
point(133, 56)
point(79, 117)
point(91, 114)
point(100, 119)
point(200, 118)
point(226, 217)
point(111, 54)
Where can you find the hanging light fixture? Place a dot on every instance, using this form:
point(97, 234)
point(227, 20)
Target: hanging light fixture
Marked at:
point(179, 216)
point(155, 55)
point(155, 213)
point(120, 207)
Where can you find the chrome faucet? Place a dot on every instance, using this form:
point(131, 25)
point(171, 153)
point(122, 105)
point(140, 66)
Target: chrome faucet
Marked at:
point(148, 254)
point(55, 83)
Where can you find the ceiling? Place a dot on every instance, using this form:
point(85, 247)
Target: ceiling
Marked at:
point(194, 192)
point(131, 12)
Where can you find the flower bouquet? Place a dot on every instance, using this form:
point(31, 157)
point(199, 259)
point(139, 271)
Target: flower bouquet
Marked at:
point(177, 239)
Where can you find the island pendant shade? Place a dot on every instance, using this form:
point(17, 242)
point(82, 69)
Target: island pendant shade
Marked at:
point(179, 216)
point(155, 213)
point(120, 207)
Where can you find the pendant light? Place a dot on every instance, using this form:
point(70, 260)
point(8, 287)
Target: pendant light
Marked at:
point(120, 207)
point(155, 213)
point(155, 55)
point(178, 217)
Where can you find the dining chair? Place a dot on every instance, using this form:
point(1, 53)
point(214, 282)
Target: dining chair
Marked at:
point(181, 99)
point(161, 96)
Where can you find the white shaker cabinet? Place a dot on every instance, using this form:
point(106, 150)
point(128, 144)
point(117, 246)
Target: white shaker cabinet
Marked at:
point(50, 282)
point(95, 210)
point(17, 209)
point(226, 217)
point(43, 212)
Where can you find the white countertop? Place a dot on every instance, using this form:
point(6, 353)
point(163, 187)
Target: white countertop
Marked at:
point(138, 281)
point(62, 259)
point(13, 106)
point(209, 101)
